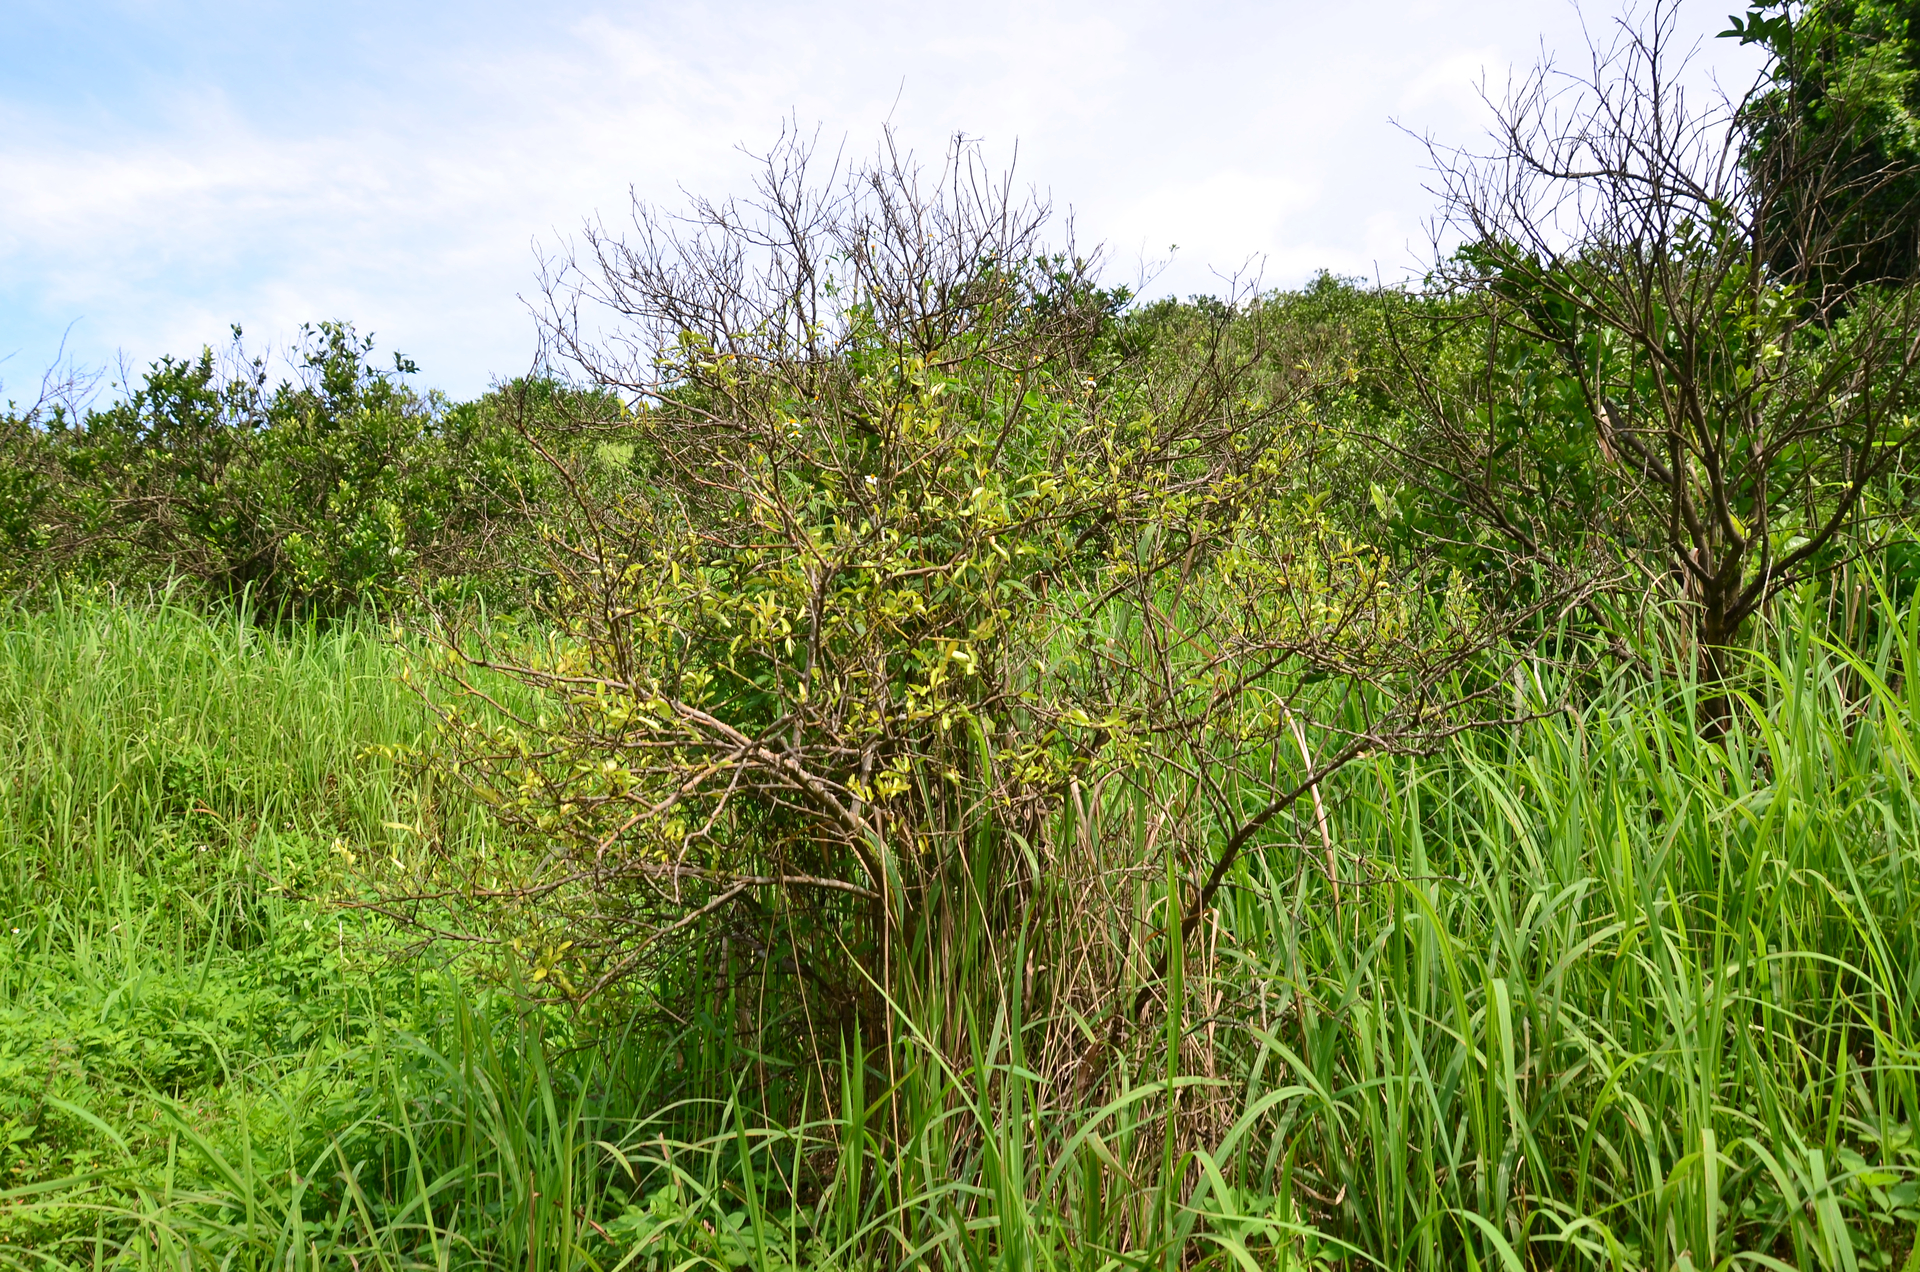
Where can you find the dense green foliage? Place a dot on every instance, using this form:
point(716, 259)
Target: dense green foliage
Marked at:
point(1847, 71)
point(339, 488)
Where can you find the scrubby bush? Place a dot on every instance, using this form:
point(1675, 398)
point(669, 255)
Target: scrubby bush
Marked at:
point(339, 487)
point(927, 541)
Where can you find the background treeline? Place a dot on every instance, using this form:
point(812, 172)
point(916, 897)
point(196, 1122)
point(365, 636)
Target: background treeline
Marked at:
point(322, 482)
point(897, 754)
point(325, 485)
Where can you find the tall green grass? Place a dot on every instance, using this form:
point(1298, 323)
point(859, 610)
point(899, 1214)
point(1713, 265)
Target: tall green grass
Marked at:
point(1598, 992)
point(205, 1059)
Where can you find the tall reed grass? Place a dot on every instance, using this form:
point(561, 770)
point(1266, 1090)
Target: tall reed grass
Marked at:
point(1597, 992)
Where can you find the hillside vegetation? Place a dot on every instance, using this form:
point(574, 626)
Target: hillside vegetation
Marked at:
point(893, 752)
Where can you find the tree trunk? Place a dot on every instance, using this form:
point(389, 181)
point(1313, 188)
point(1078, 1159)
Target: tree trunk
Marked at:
point(1716, 624)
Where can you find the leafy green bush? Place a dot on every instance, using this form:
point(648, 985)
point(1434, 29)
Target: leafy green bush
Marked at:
point(338, 488)
point(1841, 109)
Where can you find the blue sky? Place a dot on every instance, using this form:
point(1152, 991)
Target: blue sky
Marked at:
point(167, 169)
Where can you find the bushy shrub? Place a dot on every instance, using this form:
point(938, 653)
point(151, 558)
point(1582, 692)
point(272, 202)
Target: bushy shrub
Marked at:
point(339, 487)
point(909, 561)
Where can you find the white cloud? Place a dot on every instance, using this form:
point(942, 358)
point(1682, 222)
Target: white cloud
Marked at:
point(403, 190)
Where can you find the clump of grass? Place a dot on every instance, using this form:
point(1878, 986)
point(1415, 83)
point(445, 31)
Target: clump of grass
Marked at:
point(200, 1052)
point(1616, 994)
point(126, 725)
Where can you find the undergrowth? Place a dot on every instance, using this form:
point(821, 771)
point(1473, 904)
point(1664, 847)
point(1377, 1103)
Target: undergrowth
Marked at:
point(1596, 993)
